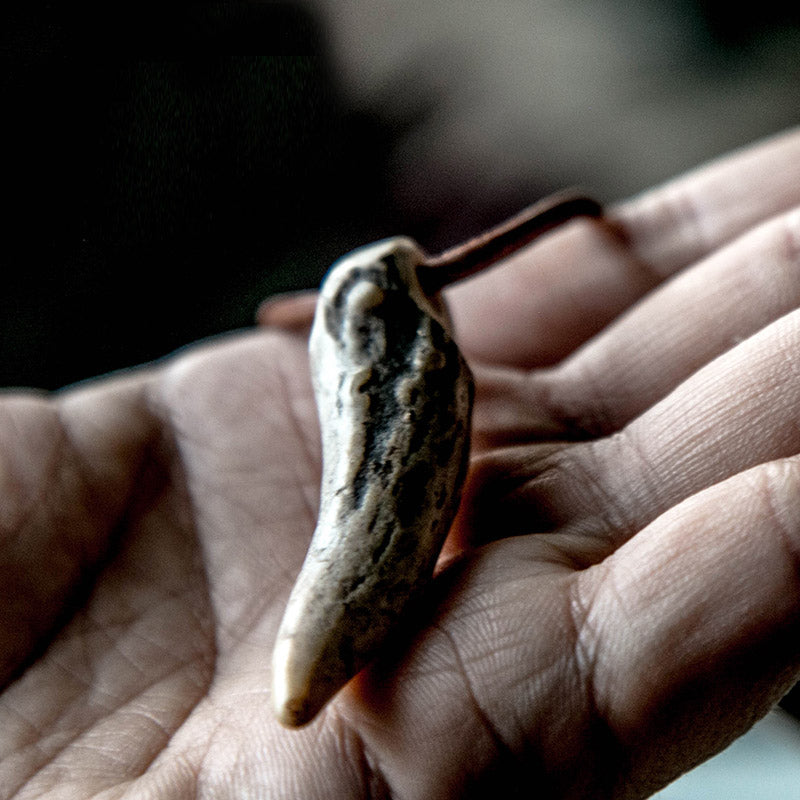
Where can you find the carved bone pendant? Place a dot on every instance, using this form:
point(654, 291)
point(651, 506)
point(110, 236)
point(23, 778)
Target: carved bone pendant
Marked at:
point(394, 397)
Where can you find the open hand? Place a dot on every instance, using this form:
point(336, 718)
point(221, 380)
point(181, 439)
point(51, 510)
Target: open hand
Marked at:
point(618, 599)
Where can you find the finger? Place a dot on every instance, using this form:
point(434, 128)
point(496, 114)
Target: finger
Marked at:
point(689, 632)
point(556, 294)
point(515, 406)
point(738, 411)
point(293, 311)
point(677, 329)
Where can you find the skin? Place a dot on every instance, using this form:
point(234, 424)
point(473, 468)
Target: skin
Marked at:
point(619, 597)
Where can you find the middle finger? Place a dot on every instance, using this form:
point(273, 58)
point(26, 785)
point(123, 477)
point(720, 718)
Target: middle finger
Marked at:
point(650, 350)
point(739, 410)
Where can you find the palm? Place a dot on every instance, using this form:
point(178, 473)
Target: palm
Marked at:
point(165, 661)
point(169, 511)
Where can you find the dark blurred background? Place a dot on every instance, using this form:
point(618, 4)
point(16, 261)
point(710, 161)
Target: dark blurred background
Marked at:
point(152, 199)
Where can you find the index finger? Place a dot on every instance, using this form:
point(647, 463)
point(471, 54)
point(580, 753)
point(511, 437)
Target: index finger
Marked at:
point(545, 301)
